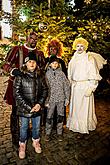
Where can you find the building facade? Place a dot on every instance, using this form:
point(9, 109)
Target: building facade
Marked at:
point(5, 28)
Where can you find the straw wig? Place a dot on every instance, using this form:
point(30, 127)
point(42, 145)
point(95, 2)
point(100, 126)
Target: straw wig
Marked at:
point(80, 41)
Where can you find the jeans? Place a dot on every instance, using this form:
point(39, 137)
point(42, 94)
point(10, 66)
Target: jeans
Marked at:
point(24, 124)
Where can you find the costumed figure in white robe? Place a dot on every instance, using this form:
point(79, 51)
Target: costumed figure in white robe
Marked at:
point(83, 74)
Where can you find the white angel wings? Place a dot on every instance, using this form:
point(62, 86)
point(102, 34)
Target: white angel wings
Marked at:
point(99, 59)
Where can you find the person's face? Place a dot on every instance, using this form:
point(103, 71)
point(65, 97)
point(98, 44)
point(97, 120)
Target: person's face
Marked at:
point(80, 48)
point(32, 41)
point(31, 65)
point(54, 65)
point(53, 51)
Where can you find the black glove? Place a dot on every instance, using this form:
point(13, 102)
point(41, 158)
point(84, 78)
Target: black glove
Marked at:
point(16, 72)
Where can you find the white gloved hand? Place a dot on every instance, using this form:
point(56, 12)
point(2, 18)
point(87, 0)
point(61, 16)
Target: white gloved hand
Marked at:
point(88, 92)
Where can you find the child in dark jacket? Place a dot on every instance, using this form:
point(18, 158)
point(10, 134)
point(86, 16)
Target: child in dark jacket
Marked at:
point(59, 93)
point(30, 91)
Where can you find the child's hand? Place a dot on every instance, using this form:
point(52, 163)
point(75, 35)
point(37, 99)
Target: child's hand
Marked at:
point(47, 105)
point(66, 102)
point(36, 108)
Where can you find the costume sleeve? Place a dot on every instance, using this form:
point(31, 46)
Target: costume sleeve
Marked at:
point(10, 59)
point(93, 70)
point(70, 71)
point(41, 60)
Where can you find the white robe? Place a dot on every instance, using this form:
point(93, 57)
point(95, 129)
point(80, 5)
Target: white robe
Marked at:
point(83, 74)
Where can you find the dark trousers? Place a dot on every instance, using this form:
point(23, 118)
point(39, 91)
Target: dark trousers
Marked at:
point(44, 115)
point(14, 126)
point(55, 118)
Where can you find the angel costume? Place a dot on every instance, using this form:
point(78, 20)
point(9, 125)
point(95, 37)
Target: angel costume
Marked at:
point(83, 73)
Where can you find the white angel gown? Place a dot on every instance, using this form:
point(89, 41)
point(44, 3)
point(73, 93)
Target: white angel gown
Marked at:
point(83, 73)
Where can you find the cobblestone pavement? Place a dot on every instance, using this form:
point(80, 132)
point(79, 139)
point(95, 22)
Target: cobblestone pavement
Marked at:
point(92, 149)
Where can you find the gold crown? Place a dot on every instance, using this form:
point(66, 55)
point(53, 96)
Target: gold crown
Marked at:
point(80, 41)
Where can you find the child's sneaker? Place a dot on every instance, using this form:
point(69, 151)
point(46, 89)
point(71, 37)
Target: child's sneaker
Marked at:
point(36, 146)
point(22, 149)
